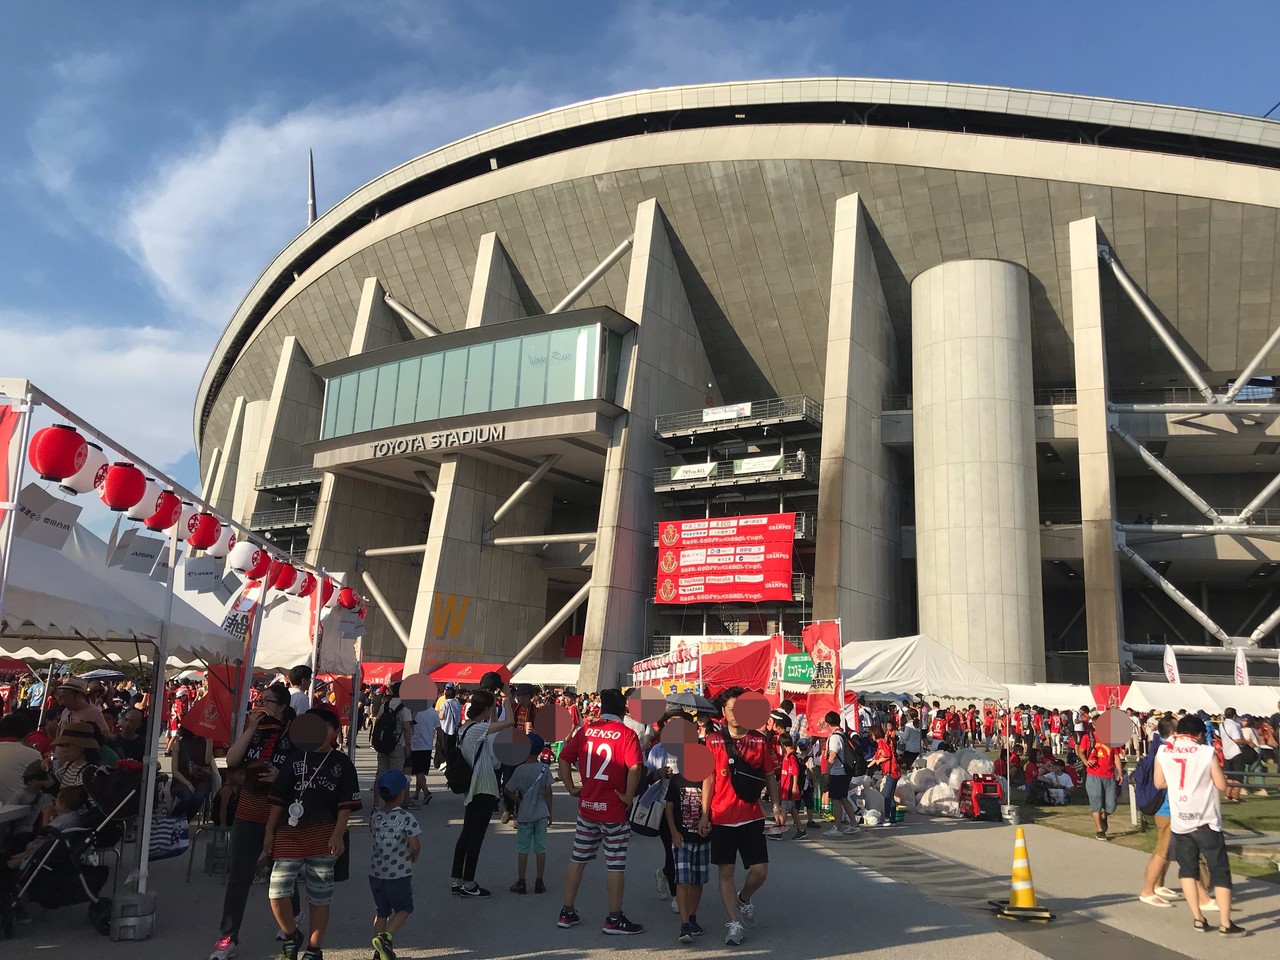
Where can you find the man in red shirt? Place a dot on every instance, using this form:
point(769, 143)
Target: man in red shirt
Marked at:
point(608, 758)
point(1101, 775)
point(735, 823)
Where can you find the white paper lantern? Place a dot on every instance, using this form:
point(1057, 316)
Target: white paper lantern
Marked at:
point(186, 520)
point(149, 503)
point(243, 556)
point(90, 476)
point(226, 540)
point(300, 583)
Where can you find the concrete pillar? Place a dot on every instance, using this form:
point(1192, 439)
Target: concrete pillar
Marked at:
point(478, 602)
point(977, 529)
point(664, 369)
point(221, 490)
point(1102, 597)
point(498, 292)
point(859, 550)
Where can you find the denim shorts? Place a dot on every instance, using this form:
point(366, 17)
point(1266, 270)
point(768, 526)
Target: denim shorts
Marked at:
point(391, 896)
point(1102, 793)
point(317, 877)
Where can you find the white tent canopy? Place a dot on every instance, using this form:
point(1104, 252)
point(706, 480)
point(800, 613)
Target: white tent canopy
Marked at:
point(1213, 698)
point(69, 605)
point(1053, 696)
point(911, 665)
point(547, 674)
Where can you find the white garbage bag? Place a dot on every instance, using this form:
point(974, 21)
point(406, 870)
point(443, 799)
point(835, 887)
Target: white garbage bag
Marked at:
point(939, 758)
point(922, 780)
point(955, 778)
point(947, 808)
point(967, 756)
point(872, 798)
point(932, 798)
point(981, 767)
point(905, 794)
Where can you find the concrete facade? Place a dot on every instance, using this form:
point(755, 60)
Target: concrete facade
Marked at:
point(977, 538)
point(780, 262)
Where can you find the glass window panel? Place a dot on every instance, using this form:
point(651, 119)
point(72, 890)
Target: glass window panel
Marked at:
point(366, 388)
point(562, 365)
point(479, 377)
point(506, 375)
point(330, 407)
point(429, 386)
point(612, 362)
point(344, 422)
point(407, 391)
point(454, 382)
point(534, 358)
point(384, 398)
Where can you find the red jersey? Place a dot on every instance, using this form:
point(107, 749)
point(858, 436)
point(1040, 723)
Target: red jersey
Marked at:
point(791, 782)
point(604, 751)
point(1099, 759)
point(1055, 723)
point(938, 727)
point(727, 808)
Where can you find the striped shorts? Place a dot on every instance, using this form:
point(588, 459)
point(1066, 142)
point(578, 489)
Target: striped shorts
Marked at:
point(588, 835)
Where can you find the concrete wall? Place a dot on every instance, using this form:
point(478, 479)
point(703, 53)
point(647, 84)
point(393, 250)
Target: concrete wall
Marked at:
point(977, 539)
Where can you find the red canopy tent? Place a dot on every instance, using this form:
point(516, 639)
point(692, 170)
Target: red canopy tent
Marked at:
point(379, 673)
point(749, 666)
point(468, 673)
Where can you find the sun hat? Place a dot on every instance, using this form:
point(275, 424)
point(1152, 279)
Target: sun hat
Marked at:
point(74, 683)
point(391, 783)
point(77, 735)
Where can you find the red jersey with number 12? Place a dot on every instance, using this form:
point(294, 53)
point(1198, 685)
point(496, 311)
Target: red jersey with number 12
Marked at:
point(603, 752)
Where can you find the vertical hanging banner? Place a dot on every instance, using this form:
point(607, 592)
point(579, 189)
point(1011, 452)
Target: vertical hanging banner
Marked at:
point(822, 643)
point(1171, 666)
point(726, 559)
point(9, 421)
point(1242, 668)
point(210, 716)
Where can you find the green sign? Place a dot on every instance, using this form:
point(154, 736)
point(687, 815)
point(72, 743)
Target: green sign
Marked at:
point(798, 669)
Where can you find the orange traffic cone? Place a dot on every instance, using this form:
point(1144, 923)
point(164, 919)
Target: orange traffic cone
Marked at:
point(1022, 903)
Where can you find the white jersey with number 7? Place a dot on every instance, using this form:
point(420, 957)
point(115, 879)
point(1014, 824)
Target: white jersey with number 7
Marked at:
point(1193, 799)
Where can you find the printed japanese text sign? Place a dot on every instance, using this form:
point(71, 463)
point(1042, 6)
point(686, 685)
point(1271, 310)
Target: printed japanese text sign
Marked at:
point(726, 559)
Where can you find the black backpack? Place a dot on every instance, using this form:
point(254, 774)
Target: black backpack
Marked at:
point(851, 755)
point(386, 730)
point(457, 771)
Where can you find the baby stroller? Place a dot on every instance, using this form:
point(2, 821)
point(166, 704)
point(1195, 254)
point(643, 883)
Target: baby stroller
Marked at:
point(67, 867)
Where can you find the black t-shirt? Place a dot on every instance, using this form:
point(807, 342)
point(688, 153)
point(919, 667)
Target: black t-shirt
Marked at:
point(685, 798)
point(323, 783)
point(129, 749)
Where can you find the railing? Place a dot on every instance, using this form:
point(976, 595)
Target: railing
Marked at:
point(806, 527)
point(1058, 396)
point(793, 466)
point(801, 590)
point(717, 418)
point(287, 476)
point(287, 517)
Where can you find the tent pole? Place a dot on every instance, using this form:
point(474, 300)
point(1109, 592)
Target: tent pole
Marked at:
point(48, 688)
point(249, 656)
point(24, 411)
point(158, 664)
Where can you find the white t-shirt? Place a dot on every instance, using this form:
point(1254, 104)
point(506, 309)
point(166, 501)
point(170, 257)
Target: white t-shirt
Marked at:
point(299, 700)
point(1231, 732)
point(451, 715)
point(835, 744)
point(1193, 799)
point(425, 724)
point(1059, 784)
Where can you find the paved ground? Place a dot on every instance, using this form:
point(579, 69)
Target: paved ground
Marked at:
point(921, 887)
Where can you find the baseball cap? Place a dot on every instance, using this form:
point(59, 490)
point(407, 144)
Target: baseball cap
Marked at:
point(491, 681)
point(451, 685)
point(391, 783)
point(536, 744)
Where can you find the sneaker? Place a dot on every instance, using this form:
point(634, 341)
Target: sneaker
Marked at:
point(281, 936)
point(686, 933)
point(224, 949)
point(748, 912)
point(660, 881)
point(312, 953)
point(620, 926)
point(693, 925)
point(833, 832)
point(382, 947)
point(519, 887)
point(455, 888)
point(675, 905)
point(290, 949)
point(1211, 905)
point(539, 886)
point(1100, 836)
point(800, 835)
point(475, 891)
point(1168, 894)
point(1154, 901)
point(850, 830)
point(568, 918)
point(734, 932)
point(506, 816)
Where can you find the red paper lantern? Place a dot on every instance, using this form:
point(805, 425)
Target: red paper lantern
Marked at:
point(168, 509)
point(284, 578)
point(326, 591)
point(348, 599)
point(123, 487)
point(304, 586)
point(260, 564)
point(205, 529)
point(57, 452)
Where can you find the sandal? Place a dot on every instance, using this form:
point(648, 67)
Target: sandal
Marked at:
point(1232, 931)
point(1202, 925)
point(539, 886)
point(519, 887)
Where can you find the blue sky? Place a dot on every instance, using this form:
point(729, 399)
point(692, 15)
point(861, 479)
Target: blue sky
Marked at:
point(153, 155)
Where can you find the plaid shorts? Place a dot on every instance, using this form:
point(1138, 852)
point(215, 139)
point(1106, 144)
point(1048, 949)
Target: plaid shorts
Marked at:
point(588, 835)
point(693, 863)
point(317, 877)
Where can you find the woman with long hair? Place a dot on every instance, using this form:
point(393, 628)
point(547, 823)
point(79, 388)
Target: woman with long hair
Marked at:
point(191, 772)
point(475, 742)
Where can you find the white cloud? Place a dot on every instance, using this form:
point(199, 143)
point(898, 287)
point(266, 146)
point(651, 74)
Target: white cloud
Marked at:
point(212, 218)
point(69, 131)
point(136, 384)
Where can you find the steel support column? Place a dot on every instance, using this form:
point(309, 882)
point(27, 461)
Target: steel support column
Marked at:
point(1258, 502)
point(1176, 595)
point(409, 317)
point(395, 551)
point(590, 279)
point(539, 638)
point(536, 540)
point(385, 607)
point(1247, 373)
point(1171, 478)
point(522, 491)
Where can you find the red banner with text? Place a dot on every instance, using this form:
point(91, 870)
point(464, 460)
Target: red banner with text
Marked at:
point(210, 716)
point(726, 559)
point(822, 643)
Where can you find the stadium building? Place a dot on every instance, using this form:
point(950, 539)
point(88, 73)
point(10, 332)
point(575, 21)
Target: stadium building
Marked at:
point(1007, 356)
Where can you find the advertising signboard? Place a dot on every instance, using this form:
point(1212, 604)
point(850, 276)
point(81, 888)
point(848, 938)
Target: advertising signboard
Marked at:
point(726, 559)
